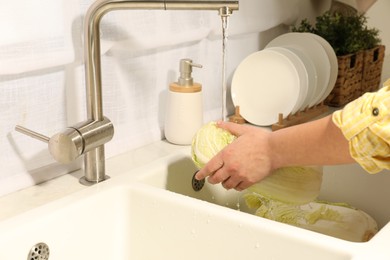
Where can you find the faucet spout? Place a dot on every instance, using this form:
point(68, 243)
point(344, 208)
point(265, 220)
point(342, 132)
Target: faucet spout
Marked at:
point(94, 158)
point(201, 5)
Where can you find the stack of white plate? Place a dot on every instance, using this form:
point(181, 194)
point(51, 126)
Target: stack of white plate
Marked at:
point(293, 72)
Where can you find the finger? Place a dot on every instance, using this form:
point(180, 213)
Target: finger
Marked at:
point(240, 186)
point(243, 186)
point(201, 174)
point(230, 183)
point(218, 177)
point(210, 168)
point(233, 128)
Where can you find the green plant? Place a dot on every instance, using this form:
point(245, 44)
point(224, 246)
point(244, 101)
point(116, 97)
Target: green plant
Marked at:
point(345, 33)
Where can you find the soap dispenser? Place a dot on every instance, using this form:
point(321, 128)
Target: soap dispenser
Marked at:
point(184, 114)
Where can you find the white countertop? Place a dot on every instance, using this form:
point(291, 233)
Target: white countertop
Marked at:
point(21, 201)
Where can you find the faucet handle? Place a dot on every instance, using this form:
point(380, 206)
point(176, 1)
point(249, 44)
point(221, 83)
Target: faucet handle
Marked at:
point(64, 146)
point(32, 134)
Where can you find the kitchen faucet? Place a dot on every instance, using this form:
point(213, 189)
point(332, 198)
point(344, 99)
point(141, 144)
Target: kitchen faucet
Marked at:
point(88, 138)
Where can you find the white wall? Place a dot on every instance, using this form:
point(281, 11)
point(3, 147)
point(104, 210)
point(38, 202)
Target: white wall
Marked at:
point(42, 74)
point(378, 17)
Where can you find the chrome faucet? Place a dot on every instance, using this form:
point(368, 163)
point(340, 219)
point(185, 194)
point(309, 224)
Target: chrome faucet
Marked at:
point(89, 137)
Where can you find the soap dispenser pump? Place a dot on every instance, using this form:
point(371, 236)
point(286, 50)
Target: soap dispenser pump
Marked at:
point(184, 114)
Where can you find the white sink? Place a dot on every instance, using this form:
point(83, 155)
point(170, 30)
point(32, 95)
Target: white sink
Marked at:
point(137, 216)
point(178, 177)
point(138, 222)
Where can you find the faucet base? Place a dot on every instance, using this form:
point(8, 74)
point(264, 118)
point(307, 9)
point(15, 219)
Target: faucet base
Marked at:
point(85, 182)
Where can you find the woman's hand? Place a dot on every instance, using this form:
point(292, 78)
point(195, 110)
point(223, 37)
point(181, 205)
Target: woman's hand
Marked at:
point(244, 162)
point(257, 152)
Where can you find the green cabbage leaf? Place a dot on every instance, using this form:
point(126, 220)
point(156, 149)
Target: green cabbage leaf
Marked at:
point(207, 142)
point(294, 185)
point(334, 219)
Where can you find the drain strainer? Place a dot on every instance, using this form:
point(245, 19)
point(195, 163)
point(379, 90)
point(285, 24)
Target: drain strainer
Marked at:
point(39, 251)
point(197, 185)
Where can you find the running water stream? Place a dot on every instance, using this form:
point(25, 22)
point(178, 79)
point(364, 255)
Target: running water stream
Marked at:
point(225, 26)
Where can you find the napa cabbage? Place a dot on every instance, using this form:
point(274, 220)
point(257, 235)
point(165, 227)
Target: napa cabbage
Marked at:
point(207, 142)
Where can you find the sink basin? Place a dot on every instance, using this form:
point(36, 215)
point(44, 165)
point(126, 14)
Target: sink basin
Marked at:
point(152, 212)
point(135, 221)
point(178, 177)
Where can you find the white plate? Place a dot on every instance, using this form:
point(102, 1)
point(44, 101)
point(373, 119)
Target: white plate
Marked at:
point(302, 72)
point(265, 84)
point(312, 76)
point(334, 66)
point(307, 44)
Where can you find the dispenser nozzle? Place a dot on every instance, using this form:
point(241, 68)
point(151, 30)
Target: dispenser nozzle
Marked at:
point(185, 78)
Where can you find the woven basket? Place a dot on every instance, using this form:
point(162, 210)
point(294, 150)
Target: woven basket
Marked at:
point(357, 74)
point(349, 79)
point(372, 69)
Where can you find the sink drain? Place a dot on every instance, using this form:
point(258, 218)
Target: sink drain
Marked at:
point(39, 251)
point(197, 185)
